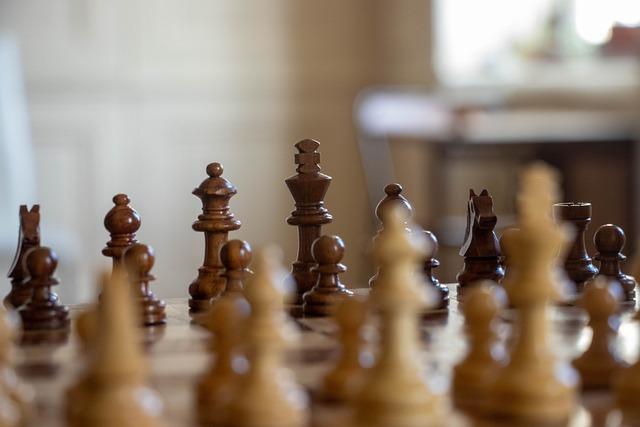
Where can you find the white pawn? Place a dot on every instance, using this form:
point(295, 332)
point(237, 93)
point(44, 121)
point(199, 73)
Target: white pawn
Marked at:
point(395, 392)
point(267, 395)
point(15, 397)
point(113, 391)
point(600, 298)
point(534, 387)
point(473, 376)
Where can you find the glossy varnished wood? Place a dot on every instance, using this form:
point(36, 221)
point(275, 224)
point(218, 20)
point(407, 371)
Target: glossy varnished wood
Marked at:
point(578, 265)
point(308, 188)
point(138, 260)
point(216, 221)
point(480, 249)
point(122, 222)
point(28, 237)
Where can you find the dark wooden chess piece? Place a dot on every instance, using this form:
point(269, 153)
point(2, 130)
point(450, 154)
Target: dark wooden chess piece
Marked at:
point(609, 240)
point(328, 291)
point(215, 222)
point(138, 260)
point(308, 188)
point(122, 222)
point(393, 198)
point(430, 263)
point(577, 263)
point(28, 237)
point(43, 312)
point(480, 249)
point(236, 257)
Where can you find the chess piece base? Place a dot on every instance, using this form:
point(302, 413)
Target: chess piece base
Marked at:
point(153, 311)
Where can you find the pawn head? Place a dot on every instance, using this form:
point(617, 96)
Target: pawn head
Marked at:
point(609, 239)
point(483, 302)
point(328, 249)
point(351, 313)
point(601, 297)
point(235, 254)
point(41, 262)
point(432, 242)
point(139, 259)
point(226, 314)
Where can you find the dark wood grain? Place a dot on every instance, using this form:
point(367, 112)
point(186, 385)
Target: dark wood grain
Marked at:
point(480, 250)
point(28, 237)
point(577, 263)
point(216, 221)
point(308, 188)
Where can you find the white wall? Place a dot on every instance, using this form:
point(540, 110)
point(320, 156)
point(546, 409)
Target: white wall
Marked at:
point(137, 96)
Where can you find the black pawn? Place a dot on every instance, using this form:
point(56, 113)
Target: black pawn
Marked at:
point(44, 311)
point(609, 241)
point(236, 257)
point(429, 264)
point(139, 260)
point(321, 300)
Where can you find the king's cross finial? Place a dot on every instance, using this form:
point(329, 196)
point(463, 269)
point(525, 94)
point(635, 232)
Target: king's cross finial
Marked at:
point(307, 158)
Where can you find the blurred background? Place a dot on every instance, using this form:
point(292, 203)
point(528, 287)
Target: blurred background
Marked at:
point(138, 96)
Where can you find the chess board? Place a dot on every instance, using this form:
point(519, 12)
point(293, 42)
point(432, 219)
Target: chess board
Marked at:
point(177, 356)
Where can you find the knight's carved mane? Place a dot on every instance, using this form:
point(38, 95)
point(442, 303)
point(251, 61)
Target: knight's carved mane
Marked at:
point(479, 239)
point(28, 237)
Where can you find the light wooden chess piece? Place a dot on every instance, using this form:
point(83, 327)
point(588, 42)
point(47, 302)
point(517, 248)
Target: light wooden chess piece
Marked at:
point(597, 365)
point(343, 381)
point(15, 397)
point(267, 395)
point(474, 375)
point(395, 392)
point(114, 392)
point(534, 387)
point(215, 388)
point(626, 388)
point(85, 327)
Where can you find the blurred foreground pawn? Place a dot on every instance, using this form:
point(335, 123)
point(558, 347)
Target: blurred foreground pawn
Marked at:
point(609, 240)
point(267, 394)
point(473, 376)
point(508, 236)
point(217, 385)
point(430, 263)
point(15, 397)
point(341, 384)
point(215, 222)
point(113, 390)
point(328, 290)
point(480, 248)
point(601, 360)
point(44, 313)
point(577, 264)
point(138, 260)
point(395, 392)
point(28, 237)
point(86, 330)
point(534, 387)
point(393, 200)
point(122, 222)
point(236, 257)
point(308, 188)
